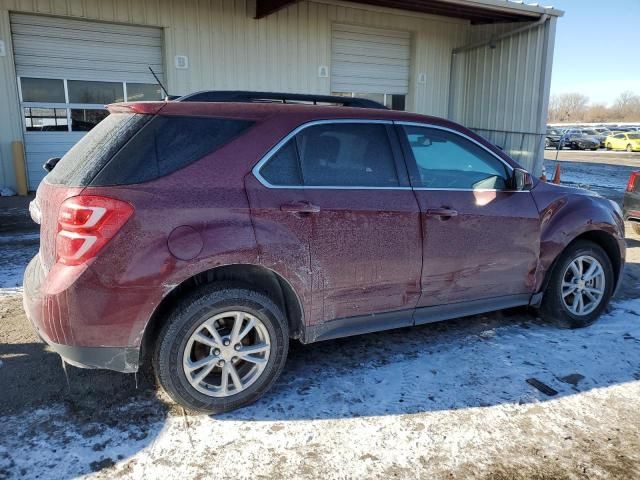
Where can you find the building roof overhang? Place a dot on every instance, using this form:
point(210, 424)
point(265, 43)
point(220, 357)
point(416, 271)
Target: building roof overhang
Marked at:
point(476, 11)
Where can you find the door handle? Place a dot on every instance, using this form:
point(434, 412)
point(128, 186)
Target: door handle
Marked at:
point(442, 212)
point(300, 207)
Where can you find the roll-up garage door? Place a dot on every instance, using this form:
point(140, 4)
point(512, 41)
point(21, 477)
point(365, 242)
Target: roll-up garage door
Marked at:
point(69, 69)
point(367, 60)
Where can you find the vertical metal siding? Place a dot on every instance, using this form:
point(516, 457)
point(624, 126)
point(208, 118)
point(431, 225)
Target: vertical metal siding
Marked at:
point(228, 49)
point(501, 91)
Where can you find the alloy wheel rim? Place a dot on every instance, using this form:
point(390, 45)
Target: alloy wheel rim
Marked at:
point(226, 354)
point(583, 285)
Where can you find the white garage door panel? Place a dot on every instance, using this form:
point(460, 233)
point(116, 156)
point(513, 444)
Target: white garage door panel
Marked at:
point(61, 48)
point(366, 60)
point(84, 50)
point(40, 147)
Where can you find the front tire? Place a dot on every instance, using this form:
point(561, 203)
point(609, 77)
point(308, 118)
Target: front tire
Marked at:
point(221, 348)
point(580, 287)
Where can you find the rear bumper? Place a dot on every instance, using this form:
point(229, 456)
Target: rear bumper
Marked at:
point(631, 206)
point(88, 325)
point(119, 359)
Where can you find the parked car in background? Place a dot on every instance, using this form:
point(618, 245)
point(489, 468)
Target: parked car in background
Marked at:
point(552, 138)
point(631, 204)
point(205, 233)
point(624, 141)
point(603, 131)
point(576, 139)
point(592, 132)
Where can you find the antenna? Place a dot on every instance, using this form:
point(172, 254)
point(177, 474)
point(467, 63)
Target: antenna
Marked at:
point(166, 94)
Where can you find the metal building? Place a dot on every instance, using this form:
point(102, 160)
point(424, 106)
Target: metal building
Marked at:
point(483, 63)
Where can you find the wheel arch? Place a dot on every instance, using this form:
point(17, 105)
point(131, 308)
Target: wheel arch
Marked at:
point(601, 238)
point(254, 277)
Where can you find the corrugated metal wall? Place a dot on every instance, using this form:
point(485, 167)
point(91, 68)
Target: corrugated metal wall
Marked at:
point(503, 90)
point(228, 49)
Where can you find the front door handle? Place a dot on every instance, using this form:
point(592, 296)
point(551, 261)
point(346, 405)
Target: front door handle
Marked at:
point(300, 207)
point(442, 212)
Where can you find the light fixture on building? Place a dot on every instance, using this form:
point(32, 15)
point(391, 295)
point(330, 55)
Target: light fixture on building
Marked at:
point(181, 62)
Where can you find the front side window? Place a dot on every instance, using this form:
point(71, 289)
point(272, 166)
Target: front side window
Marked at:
point(446, 160)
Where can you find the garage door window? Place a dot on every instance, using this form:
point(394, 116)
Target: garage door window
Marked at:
point(392, 101)
point(42, 90)
point(95, 92)
point(66, 105)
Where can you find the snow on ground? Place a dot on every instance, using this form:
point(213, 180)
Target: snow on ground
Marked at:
point(439, 399)
point(16, 250)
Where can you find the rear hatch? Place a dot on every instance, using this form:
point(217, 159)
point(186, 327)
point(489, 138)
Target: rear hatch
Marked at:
point(133, 145)
point(76, 170)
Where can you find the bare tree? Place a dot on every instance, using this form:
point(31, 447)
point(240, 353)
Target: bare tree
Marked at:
point(627, 107)
point(568, 107)
point(574, 107)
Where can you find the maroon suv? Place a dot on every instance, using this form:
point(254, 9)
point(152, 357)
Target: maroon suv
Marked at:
point(203, 234)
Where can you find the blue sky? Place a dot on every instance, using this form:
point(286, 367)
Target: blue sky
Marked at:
point(597, 50)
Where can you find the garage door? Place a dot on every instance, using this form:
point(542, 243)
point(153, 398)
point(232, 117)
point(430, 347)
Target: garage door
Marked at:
point(370, 62)
point(69, 69)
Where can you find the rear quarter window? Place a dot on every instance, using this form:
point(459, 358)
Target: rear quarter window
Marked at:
point(167, 144)
point(87, 157)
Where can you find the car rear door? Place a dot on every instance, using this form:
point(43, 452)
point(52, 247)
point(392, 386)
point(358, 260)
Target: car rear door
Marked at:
point(481, 239)
point(365, 239)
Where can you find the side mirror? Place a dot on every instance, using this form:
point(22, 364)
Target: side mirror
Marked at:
point(49, 164)
point(522, 179)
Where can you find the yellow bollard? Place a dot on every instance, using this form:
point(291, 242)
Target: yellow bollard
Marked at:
point(19, 166)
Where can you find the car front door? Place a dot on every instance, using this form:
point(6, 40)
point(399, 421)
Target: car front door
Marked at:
point(365, 238)
point(481, 238)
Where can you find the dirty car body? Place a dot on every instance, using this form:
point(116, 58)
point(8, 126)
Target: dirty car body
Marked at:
point(268, 197)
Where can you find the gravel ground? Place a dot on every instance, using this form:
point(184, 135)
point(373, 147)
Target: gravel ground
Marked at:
point(447, 400)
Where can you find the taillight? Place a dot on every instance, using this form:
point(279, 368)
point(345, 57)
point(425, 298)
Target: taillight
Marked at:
point(632, 181)
point(86, 223)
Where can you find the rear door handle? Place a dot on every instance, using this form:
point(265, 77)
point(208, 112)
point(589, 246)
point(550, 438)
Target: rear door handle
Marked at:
point(300, 207)
point(442, 212)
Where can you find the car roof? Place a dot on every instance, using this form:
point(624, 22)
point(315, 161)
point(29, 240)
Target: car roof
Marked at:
point(263, 110)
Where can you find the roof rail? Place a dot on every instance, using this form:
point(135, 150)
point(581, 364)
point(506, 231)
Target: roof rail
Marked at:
point(267, 97)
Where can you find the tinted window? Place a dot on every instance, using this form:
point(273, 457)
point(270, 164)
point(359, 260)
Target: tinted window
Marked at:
point(42, 90)
point(447, 160)
point(80, 164)
point(283, 168)
point(81, 91)
point(347, 154)
point(166, 144)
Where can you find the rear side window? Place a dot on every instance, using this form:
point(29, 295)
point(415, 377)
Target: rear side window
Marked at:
point(335, 155)
point(343, 154)
point(87, 157)
point(284, 168)
point(167, 144)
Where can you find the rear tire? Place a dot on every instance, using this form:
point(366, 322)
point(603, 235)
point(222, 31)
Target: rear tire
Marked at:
point(560, 304)
point(201, 329)
point(629, 148)
point(609, 147)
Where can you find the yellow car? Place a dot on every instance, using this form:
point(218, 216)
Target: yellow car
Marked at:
point(624, 141)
